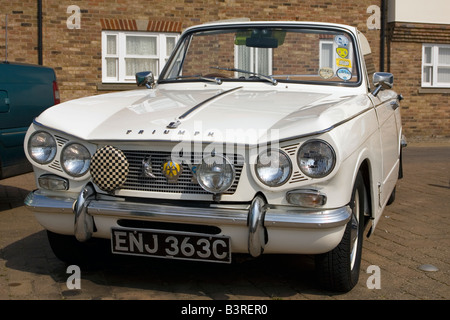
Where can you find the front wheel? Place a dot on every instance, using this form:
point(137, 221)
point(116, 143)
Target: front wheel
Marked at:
point(338, 269)
point(69, 250)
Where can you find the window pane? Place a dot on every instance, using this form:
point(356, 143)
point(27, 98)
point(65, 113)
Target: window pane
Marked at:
point(137, 65)
point(427, 54)
point(111, 67)
point(170, 45)
point(427, 74)
point(443, 75)
point(111, 46)
point(444, 55)
point(141, 45)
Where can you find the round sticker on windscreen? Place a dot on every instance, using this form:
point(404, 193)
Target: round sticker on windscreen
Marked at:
point(344, 74)
point(326, 73)
point(341, 41)
point(342, 52)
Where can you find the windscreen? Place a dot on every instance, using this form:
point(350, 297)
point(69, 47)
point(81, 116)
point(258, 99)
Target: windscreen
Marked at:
point(264, 53)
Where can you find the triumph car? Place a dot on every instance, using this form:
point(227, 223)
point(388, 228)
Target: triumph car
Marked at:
point(255, 138)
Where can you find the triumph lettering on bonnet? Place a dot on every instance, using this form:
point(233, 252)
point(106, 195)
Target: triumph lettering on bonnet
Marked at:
point(180, 132)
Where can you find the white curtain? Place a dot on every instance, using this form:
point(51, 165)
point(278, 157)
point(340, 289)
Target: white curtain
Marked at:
point(253, 59)
point(134, 65)
point(444, 59)
point(111, 63)
point(140, 46)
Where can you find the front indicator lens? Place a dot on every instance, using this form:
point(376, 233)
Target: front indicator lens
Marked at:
point(216, 174)
point(273, 167)
point(42, 147)
point(316, 158)
point(306, 198)
point(54, 183)
point(75, 159)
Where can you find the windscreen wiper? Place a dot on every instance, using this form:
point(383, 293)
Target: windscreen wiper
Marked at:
point(198, 76)
point(262, 76)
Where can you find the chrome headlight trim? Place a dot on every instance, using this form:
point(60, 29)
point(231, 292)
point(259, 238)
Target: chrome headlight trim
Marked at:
point(316, 158)
point(42, 147)
point(216, 173)
point(268, 169)
point(75, 159)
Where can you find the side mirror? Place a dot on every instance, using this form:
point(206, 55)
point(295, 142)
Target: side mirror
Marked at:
point(145, 78)
point(382, 80)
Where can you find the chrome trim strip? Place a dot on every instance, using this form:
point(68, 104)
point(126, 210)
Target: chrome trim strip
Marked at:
point(277, 217)
point(184, 115)
point(337, 124)
point(37, 202)
point(167, 213)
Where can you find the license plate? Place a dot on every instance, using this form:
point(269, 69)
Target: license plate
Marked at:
point(170, 244)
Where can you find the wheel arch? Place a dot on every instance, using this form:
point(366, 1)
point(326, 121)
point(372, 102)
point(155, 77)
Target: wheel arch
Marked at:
point(365, 170)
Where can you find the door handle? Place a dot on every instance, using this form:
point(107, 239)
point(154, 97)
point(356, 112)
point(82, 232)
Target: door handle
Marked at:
point(394, 105)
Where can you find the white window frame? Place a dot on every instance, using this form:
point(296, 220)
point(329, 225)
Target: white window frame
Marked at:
point(161, 53)
point(434, 65)
point(333, 59)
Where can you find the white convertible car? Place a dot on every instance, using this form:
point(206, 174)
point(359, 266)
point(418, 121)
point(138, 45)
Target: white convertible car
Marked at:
point(256, 138)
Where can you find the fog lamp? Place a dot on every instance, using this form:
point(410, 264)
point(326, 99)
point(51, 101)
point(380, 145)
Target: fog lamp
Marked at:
point(306, 198)
point(216, 174)
point(53, 183)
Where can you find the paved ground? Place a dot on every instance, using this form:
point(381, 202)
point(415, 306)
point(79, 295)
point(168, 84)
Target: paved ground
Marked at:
point(413, 232)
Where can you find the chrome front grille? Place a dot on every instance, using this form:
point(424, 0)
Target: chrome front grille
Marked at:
point(186, 181)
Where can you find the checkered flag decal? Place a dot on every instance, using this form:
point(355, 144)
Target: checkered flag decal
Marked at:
point(109, 168)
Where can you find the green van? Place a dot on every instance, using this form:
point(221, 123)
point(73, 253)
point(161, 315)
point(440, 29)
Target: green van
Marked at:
point(25, 91)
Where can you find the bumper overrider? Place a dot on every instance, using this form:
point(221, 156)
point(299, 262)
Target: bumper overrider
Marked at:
point(273, 229)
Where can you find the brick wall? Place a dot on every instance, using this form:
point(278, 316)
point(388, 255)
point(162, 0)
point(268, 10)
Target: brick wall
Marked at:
point(75, 54)
point(22, 31)
point(425, 112)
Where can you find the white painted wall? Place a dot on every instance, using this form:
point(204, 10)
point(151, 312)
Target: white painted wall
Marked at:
point(419, 11)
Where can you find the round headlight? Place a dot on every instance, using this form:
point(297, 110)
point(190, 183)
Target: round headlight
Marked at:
point(273, 167)
point(42, 147)
point(75, 159)
point(215, 174)
point(316, 158)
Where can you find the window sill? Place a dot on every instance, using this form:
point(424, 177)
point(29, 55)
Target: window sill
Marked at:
point(117, 86)
point(434, 90)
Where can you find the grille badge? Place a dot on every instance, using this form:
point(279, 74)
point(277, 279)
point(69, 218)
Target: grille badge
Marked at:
point(172, 171)
point(147, 170)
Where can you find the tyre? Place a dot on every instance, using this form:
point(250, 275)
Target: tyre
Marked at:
point(69, 250)
point(338, 269)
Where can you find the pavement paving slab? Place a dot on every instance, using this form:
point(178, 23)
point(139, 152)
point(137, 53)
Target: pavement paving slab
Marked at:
point(413, 231)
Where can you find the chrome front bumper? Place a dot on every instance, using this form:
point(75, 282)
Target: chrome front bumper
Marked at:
point(256, 216)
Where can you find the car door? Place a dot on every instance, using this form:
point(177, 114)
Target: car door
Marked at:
point(387, 110)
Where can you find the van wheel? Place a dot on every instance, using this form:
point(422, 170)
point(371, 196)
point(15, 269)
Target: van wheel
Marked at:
point(338, 269)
